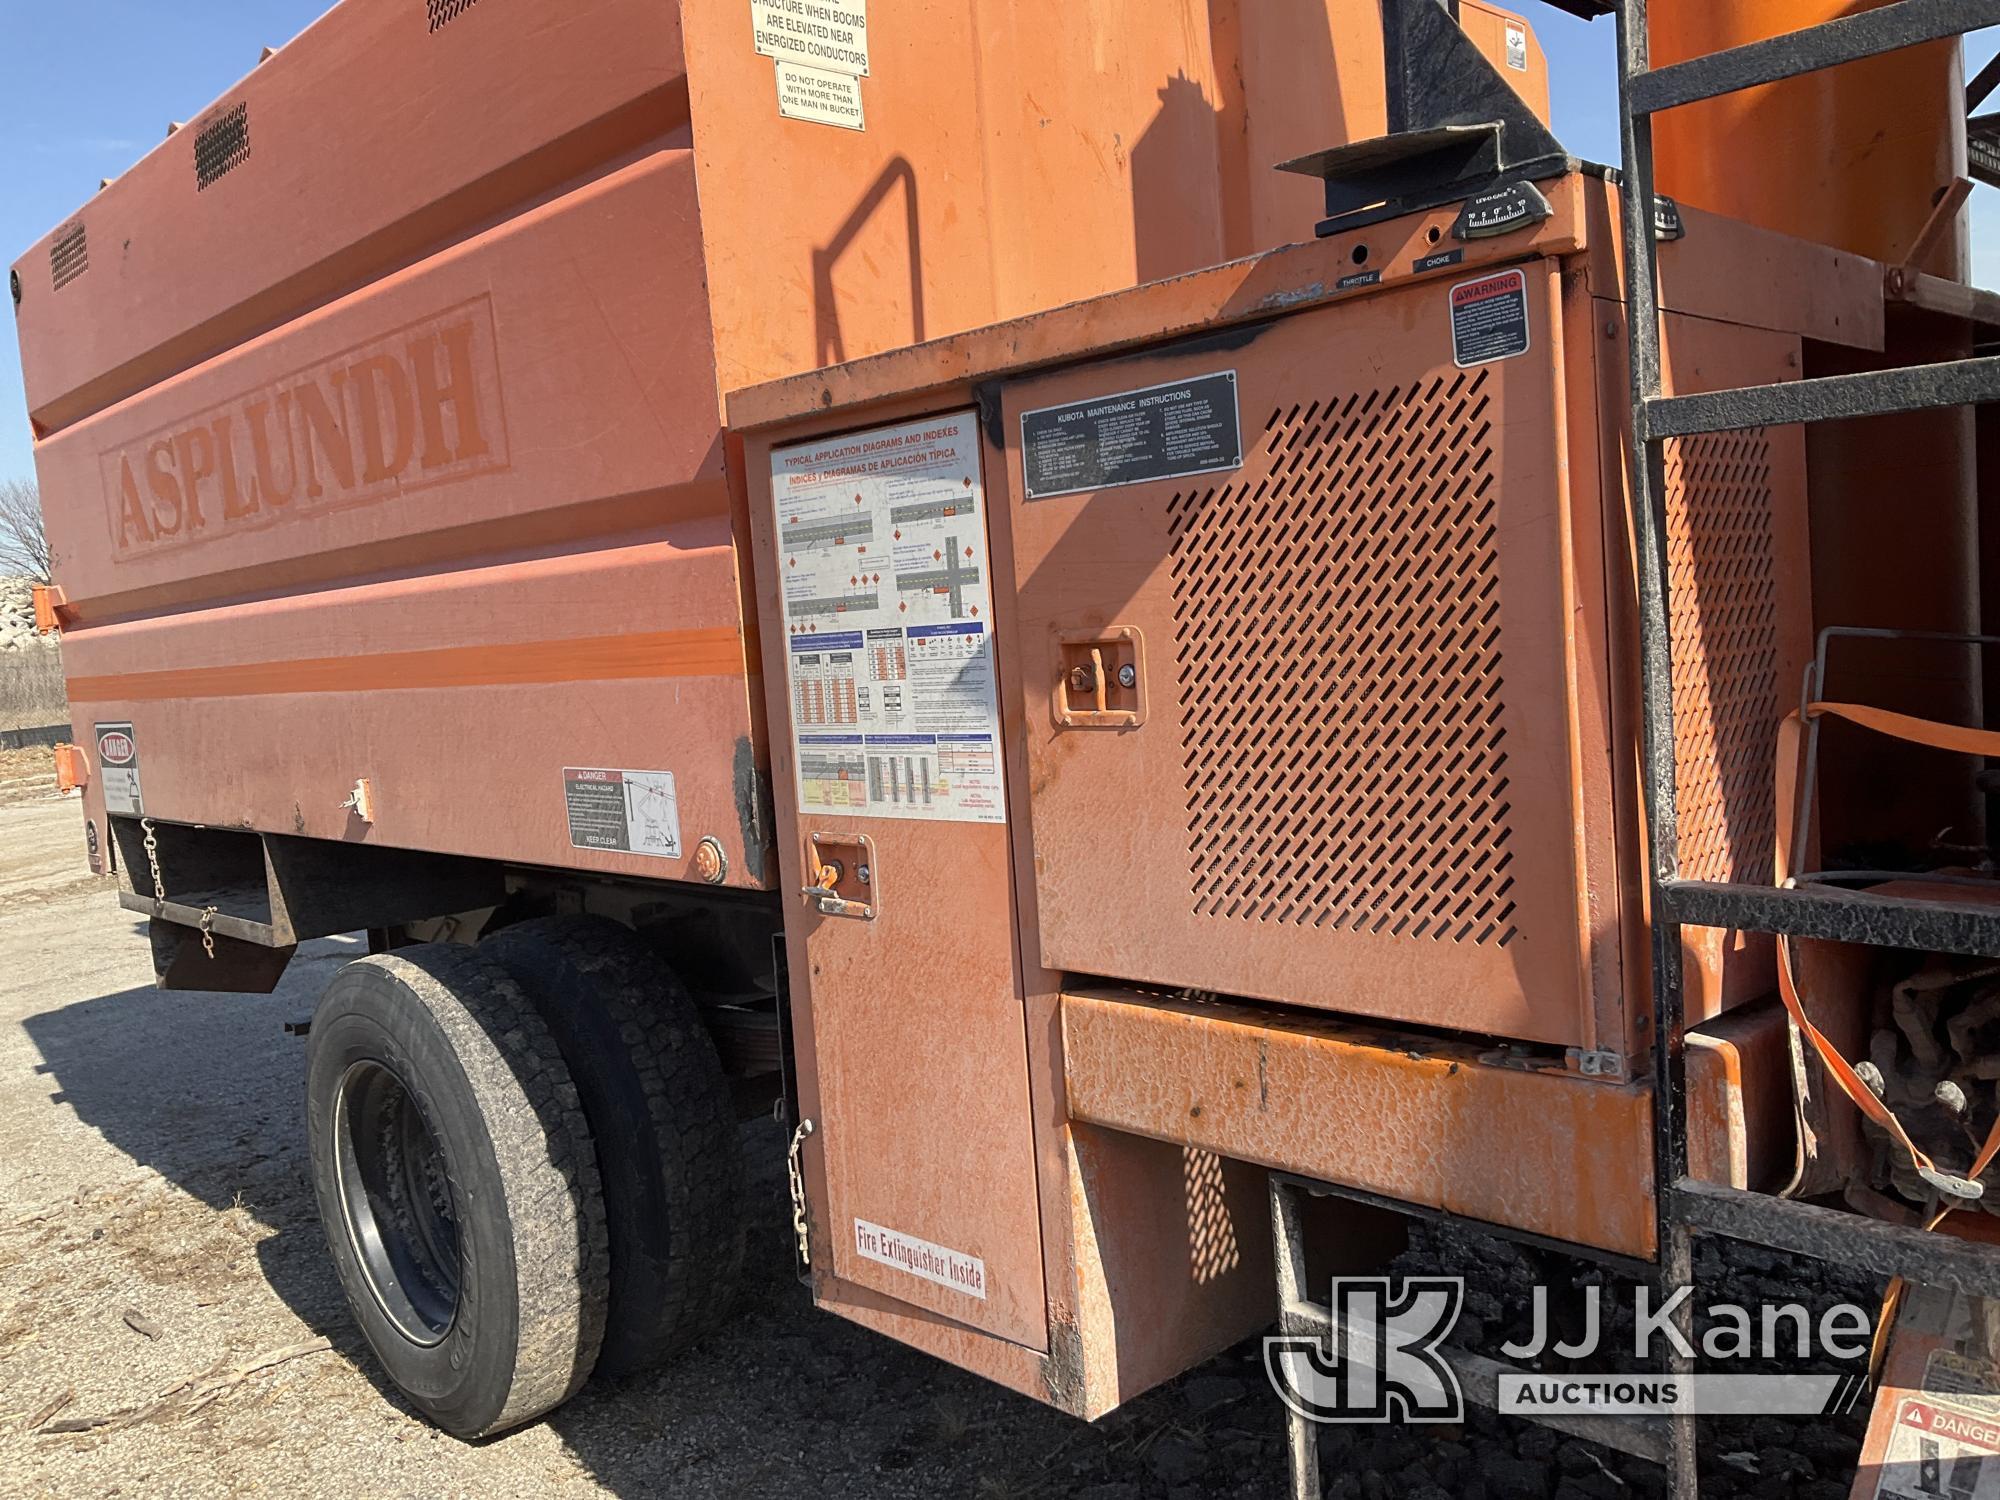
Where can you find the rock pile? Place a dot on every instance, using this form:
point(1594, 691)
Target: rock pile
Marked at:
point(17, 616)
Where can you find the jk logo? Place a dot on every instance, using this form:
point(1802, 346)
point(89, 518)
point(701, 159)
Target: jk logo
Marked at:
point(1380, 1362)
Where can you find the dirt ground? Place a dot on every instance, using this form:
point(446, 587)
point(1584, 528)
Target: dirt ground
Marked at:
point(161, 1264)
point(151, 1153)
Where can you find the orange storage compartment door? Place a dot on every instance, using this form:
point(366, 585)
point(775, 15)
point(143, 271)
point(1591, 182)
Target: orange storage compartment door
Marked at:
point(907, 1003)
point(1293, 631)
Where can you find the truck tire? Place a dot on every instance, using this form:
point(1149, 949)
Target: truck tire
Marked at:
point(660, 1109)
point(458, 1186)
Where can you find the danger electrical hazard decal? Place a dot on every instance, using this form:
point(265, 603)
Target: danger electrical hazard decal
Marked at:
point(118, 770)
point(626, 812)
point(1489, 319)
point(1935, 1451)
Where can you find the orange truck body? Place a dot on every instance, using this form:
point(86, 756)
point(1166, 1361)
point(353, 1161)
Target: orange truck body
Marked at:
point(381, 428)
point(414, 430)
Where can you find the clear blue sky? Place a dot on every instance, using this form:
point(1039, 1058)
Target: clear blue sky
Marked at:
point(88, 86)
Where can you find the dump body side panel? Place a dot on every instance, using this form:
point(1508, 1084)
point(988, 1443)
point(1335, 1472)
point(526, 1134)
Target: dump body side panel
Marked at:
point(374, 137)
point(454, 534)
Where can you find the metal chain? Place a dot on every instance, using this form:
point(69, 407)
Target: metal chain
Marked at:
point(160, 889)
point(153, 859)
point(797, 1175)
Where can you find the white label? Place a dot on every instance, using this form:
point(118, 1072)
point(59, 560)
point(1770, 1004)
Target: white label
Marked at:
point(1517, 48)
point(626, 812)
point(948, 1268)
point(888, 623)
point(1935, 1451)
point(819, 96)
point(118, 770)
point(831, 35)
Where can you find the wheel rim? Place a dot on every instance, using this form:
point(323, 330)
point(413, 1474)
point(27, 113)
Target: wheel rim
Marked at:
point(396, 1201)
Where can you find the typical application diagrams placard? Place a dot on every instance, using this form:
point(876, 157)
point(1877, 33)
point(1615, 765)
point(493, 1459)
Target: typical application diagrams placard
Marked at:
point(888, 622)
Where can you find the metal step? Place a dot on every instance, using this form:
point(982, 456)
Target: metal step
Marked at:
point(1848, 39)
point(1982, 148)
point(1840, 916)
point(1828, 1234)
point(1831, 398)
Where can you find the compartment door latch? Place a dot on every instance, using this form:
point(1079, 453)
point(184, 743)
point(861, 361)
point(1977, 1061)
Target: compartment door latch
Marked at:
point(845, 882)
point(1100, 678)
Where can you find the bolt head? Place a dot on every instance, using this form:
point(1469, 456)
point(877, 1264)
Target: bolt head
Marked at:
point(710, 863)
point(1128, 676)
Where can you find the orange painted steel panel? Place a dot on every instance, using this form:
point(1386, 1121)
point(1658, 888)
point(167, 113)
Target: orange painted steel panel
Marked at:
point(1493, 1131)
point(1373, 814)
point(1829, 162)
point(1429, 1122)
point(1739, 593)
point(622, 657)
point(1741, 1131)
point(481, 594)
point(369, 140)
point(1002, 172)
point(465, 746)
point(464, 395)
point(912, 1037)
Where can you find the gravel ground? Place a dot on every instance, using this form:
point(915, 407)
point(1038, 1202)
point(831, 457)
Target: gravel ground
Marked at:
point(150, 1174)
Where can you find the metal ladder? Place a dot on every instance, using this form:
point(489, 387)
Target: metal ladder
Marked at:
point(1686, 1206)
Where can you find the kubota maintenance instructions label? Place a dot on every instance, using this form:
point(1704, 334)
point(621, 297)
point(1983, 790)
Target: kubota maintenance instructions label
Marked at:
point(888, 620)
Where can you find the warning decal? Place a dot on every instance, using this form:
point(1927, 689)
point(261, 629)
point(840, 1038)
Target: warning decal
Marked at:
point(828, 34)
point(819, 96)
point(820, 52)
point(888, 623)
point(1935, 1451)
point(948, 1268)
point(118, 770)
point(1489, 319)
point(629, 812)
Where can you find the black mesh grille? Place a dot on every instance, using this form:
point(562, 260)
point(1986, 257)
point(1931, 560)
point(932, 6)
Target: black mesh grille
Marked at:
point(69, 256)
point(222, 145)
point(443, 12)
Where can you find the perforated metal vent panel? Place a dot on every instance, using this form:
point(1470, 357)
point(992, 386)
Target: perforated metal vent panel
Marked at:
point(222, 145)
point(1337, 654)
point(442, 12)
point(69, 256)
point(1723, 603)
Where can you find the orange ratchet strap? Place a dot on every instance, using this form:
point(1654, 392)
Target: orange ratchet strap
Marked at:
point(1916, 731)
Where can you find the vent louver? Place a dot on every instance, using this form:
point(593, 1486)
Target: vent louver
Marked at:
point(1722, 602)
point(221, 146)
point(1337, 639)
point(444, 12)
point(69, 256)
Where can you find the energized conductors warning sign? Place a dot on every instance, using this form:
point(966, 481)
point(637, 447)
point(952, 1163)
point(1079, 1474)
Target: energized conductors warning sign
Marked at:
point(889, 622)
point(820, 50)
point(1489, 319)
